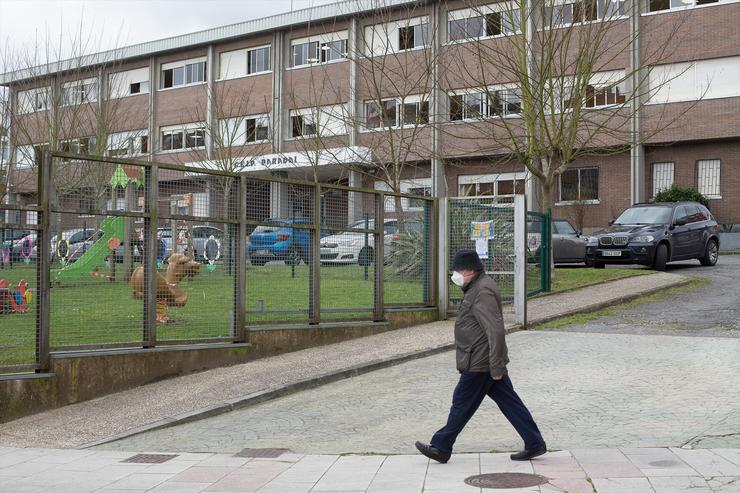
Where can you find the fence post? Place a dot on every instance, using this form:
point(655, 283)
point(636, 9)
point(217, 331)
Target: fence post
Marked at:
point(314, 303)
point(151, 195)
point(547, 285)
point(379, 235)
point(241, 265)
point(520, 260)
point(443, 258)
point(43, 306)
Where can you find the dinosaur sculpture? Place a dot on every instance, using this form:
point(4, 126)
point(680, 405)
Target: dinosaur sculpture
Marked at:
point(169, 292)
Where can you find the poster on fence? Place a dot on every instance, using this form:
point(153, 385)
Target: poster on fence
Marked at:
point(482, 233)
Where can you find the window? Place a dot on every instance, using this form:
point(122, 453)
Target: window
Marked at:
point(179, 138)
point(420, 191)
point(258, 129)
point(410, 37)
point(129, 83)
point(494, 102)
point(581, 184)
point(183, 73)
point(703, 79)
point(491, 184)
point(303, 125)
point(392, 113)
point(77, 146)
point(127, 144)
point(80, 92)
point(662, 176)
point(33, 100)
point(658, 5)
point(319, 51)
point(708, 174)
point(258, 60)
point(244, 130)
point(583, 11)
point(604, 96)
point(324, 121)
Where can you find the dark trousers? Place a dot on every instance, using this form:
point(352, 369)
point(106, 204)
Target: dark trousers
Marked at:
point(469, 393)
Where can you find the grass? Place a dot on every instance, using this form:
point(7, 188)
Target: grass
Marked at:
point(566, 278)
point(102, 312)
point(584, 318)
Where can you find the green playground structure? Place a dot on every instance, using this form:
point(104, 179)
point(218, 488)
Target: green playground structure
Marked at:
point(83, 267)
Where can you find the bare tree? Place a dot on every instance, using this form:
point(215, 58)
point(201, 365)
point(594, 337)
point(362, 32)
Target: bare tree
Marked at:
point(546, 83)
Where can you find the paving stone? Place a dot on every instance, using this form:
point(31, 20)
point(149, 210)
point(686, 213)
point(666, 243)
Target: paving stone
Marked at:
point(707, 463)
point(203, 474)
point(623, 485)
point(679, 484)
point(350, 473)
point(140, 481)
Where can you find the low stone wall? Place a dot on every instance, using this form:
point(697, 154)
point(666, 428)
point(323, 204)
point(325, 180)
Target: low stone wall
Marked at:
point(729, 242)
point(76, 377)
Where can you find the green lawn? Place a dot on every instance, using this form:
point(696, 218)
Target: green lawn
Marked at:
point(99, 311)
point(566, 278)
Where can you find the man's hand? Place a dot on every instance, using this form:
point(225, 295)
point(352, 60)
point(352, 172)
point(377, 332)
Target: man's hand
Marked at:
point(498, 377)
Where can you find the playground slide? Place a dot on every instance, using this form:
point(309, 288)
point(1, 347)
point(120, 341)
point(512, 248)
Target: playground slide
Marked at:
point(95, 256)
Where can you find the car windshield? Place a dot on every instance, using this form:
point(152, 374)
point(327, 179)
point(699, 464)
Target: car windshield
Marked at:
point(645, 215)
point(564, 228)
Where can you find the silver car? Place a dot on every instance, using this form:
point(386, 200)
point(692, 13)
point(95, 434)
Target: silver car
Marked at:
point(568, 246)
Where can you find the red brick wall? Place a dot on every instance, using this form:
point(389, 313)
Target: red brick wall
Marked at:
point(685, 157)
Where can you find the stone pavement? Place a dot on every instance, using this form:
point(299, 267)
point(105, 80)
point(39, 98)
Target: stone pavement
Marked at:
point(612, 470)
point(223, 389)
point(583, 389)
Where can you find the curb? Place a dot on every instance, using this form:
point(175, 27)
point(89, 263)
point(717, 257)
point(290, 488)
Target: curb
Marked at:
point(267, 395)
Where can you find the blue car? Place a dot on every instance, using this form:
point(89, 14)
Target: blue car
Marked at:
point(278, 240)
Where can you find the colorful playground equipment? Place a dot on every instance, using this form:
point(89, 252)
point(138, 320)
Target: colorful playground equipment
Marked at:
point(169, 292)
point(16, 301)
point(86, 265)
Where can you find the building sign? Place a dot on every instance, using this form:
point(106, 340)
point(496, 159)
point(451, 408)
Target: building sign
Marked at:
point(295, 160)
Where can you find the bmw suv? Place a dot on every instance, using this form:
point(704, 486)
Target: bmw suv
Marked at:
point(654, 234)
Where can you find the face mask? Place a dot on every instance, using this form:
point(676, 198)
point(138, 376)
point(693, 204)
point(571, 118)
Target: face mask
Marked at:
point(458, 278)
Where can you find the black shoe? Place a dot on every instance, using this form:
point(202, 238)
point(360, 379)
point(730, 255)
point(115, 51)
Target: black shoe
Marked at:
point(432, 452)
point(527, 454)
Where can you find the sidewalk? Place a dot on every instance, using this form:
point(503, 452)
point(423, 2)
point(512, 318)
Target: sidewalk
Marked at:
point(650, 470)
point(194, 396)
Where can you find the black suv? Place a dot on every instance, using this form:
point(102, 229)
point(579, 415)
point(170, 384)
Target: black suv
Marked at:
point(653, 234)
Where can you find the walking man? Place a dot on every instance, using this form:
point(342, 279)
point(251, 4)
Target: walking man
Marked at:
point(481, 360)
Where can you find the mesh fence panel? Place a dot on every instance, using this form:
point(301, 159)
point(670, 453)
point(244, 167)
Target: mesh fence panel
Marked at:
point(409, 254)
point(485, 224)
point(286, 252)
point(348, 254)
point(534, 259)
point(18, 288)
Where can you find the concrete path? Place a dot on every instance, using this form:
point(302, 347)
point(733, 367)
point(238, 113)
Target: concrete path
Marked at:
point(221, 390)
point(612, 470)
point(584, 390)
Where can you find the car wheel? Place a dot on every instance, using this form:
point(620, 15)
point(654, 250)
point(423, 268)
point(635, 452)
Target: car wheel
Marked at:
point(661, 257)
point(366, 256)
point(589, 262)
point(711, 254)
point(598, 265)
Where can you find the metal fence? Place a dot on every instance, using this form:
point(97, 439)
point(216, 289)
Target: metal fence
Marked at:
point(118, 253)
point(539, 251)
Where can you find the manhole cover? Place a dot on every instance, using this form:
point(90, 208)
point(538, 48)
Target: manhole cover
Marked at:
point(150, 458)
point(505, 480)
point(664, 463)
point(261, 453)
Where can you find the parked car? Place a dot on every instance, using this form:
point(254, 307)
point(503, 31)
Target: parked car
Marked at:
point(654, 234)
point(14, 239)
point(568, 246)
point(80, 240)
point(359, 248)
point(199, 233)
point(277, 240)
